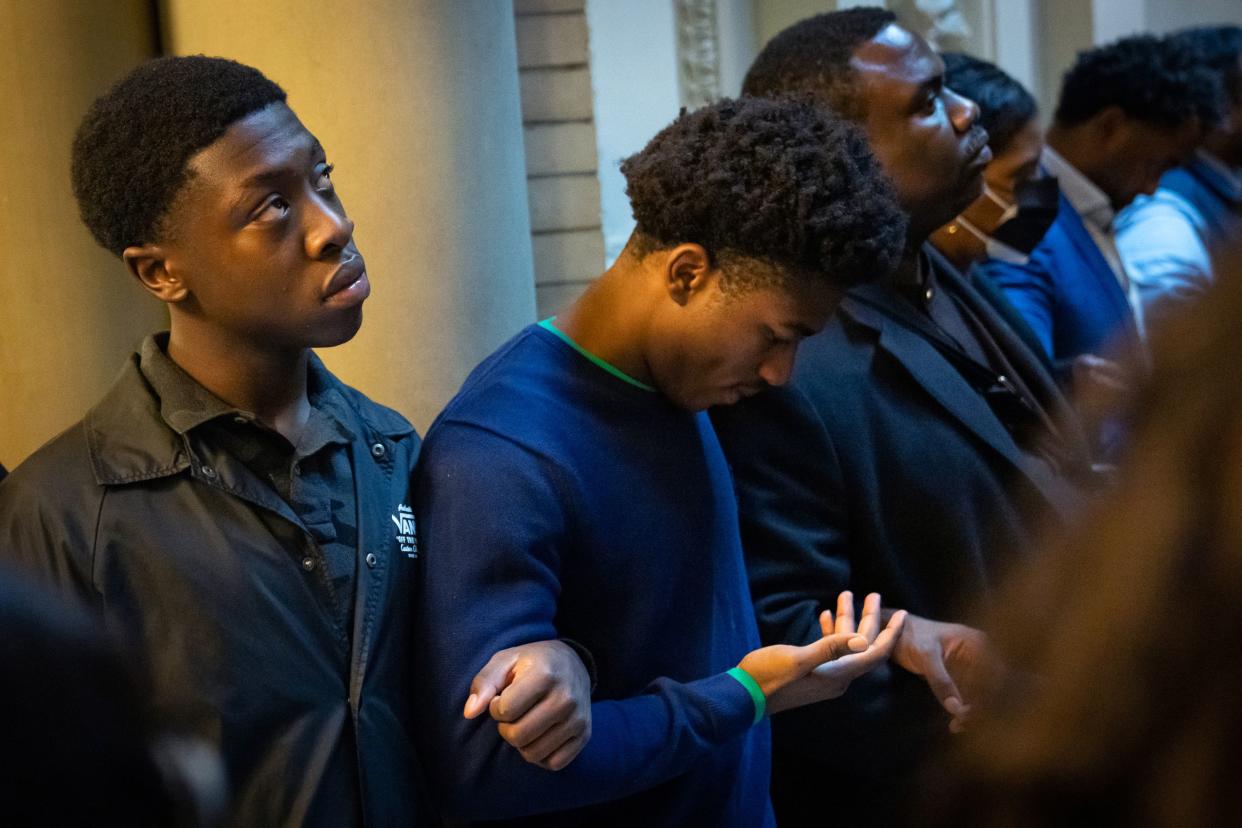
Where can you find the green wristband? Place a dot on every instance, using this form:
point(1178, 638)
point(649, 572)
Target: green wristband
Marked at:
point(756, 694)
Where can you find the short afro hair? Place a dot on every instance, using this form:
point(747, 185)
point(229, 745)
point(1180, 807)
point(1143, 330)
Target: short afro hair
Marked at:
point(1004, 105)
point(131, 150)
point(783, 183)
point(811, 59)
point(1218, 48)
point(1155, 80)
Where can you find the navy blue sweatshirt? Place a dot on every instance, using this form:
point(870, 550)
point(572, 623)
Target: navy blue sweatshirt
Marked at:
point(555, 499)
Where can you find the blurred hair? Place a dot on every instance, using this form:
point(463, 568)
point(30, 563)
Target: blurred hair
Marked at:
point(1128, 629)
point(1154, 80)
point(1218, 48)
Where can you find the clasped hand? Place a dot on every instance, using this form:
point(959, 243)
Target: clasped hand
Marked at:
point(792, 676)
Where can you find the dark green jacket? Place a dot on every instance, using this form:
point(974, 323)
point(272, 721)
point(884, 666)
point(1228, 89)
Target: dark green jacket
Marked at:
point(203, 569)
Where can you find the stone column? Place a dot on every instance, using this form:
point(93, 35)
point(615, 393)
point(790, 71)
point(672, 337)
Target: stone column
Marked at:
point(416, 102)
point(69, 312)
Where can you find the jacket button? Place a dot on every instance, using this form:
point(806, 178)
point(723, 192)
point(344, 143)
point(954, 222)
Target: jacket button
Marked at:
point(308, 564)
point(208, 472)
point(378, 450)
point(371, 559)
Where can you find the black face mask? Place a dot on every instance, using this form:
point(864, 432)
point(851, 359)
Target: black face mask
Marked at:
point(1038, 203)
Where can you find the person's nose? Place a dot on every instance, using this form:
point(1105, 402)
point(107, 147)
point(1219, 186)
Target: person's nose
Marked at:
point(328, 229)
point(963, 112)
point(777, 367)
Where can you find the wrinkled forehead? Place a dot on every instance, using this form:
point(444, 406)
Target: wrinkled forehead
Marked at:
point(896, 56)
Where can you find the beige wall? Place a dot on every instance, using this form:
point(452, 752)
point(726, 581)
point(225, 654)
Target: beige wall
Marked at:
point(417, 105)
point(69, 313)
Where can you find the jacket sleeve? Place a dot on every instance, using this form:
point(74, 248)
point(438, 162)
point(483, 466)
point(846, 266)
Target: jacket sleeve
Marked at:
point(791, 510)
point(47, 526)
point(496, 522)
point(1030, 290)
point(794, 507)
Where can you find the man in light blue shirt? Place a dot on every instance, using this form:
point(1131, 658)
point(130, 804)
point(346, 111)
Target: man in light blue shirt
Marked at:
point(1174, 242)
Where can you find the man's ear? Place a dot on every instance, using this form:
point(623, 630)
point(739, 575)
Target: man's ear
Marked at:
point(149, 264)
point(1108, 123)
point(688, 270)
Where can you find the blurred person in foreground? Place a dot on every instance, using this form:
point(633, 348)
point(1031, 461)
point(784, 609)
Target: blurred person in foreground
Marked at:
point(1173, 242)
point(81, 745)
point(1122, 707)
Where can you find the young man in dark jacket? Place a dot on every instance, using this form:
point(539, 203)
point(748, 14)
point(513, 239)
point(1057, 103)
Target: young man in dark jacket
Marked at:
point(240, 516)
point(915, 448)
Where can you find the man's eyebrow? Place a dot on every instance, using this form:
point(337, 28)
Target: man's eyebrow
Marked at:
point(264, 177)
point(275, 174)
point(934, 83)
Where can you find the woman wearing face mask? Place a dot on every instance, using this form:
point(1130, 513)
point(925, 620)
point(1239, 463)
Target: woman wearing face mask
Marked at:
point(1017, 205)
point(1008, 220)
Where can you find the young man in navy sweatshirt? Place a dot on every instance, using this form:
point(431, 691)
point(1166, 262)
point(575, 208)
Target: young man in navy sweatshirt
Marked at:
point(575, 488)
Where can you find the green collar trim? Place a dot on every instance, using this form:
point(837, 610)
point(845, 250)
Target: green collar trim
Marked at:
point(610, 368)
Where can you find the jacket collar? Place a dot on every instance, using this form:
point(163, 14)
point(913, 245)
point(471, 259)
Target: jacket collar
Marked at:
point(882, 310)
point(129, 440)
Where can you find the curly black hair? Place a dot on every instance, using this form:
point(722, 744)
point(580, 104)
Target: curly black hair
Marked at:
point(1004, 104)
point(811, 59)
point(131, 150)
point(1155, 80)
point(779, 182)
point(1218, 48)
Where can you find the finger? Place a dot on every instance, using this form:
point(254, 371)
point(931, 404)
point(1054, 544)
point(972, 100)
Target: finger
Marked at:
point(565, 754)
point(488, 682)
point(527, 689)
point(528, 683)
point(942, 685)
point(551, 711)
point(869, 625)
point(857, 663)
point(845, 612)
point(828, 648)
point(551, 740)
point(825, 623)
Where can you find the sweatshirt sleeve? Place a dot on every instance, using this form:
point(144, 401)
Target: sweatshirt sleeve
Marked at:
point(495, 521)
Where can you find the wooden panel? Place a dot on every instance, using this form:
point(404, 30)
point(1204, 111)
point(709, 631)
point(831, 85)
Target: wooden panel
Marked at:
point(553, 299)
point(563, 202)
point(571, 256)
point(551, 40)
point(560, 148)
point(547, 6)
point(556, 94)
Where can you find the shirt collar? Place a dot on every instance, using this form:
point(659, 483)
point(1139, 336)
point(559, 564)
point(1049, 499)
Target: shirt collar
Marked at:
point(1088, 200)
point(185, 404)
